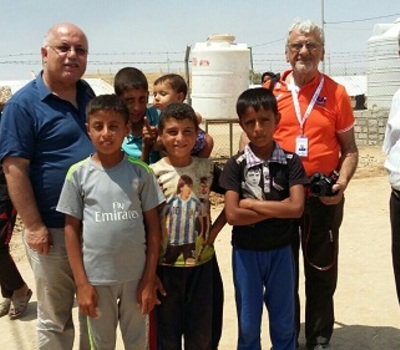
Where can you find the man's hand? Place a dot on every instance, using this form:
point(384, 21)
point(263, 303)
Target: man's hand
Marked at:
point(39, 239)
point(332, 200)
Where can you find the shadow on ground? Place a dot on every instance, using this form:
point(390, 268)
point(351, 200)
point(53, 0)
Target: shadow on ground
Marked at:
point(359, 337)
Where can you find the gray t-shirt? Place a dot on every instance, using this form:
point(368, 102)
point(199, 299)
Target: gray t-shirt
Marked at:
point(110, 203)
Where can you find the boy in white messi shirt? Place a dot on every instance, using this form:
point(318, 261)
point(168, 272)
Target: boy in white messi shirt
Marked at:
point(186, 255)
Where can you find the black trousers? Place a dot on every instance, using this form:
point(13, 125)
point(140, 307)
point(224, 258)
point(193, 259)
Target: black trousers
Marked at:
point(10, 278)
point(318, 233)
point(395, 224)
point(187, 309)
point(218, 304)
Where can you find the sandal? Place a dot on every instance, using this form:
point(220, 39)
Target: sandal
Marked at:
point(5, 307)
point(19, 305)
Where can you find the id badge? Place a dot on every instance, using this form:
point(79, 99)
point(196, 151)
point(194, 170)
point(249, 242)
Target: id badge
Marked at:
point(302, 146)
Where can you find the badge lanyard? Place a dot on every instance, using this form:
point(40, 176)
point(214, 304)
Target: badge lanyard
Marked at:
point(295, 96)
point(302, 141)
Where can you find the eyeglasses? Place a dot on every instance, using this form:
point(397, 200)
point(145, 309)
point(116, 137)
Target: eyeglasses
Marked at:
point(296, 47)
point(64, 49)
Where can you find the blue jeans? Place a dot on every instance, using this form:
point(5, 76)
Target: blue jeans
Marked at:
point(186, 310)
point(264, 276)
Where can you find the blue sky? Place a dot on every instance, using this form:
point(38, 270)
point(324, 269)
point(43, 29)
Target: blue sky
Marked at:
point(148, 33)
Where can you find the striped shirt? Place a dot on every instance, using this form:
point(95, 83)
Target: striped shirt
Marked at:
point(183, 222)
point(182, 216)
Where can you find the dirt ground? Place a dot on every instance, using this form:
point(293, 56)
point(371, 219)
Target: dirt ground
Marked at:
point(367, 312)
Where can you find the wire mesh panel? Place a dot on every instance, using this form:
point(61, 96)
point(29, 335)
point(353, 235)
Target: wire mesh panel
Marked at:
point(226, 134)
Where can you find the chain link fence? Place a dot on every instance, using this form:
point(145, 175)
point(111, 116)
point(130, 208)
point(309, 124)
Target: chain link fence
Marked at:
point(342, 66)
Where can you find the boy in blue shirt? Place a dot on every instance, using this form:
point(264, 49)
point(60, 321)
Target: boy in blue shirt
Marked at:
point(143, 142)
point(131, 85)
point(263, 266)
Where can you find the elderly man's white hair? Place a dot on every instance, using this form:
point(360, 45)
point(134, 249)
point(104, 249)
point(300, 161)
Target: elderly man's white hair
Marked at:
point(306, 27)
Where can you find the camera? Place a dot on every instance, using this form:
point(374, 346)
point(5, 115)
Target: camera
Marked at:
point(321, 185)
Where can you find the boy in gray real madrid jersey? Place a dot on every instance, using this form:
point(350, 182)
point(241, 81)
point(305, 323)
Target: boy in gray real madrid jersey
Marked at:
point(114, 255)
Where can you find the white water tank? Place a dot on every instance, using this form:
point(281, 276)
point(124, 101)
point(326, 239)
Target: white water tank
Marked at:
point(383, 76)
point(220, 73)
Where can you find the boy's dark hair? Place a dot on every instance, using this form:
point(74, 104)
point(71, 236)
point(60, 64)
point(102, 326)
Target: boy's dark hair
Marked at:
point(184, 180)
point(176, 81)
point(256, 98)
point(274, 78)
point(178, 111)
point(107, 103)
point(129, 78)
point(270, 74)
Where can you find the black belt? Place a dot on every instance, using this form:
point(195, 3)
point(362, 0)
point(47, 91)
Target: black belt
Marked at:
point(396, 193)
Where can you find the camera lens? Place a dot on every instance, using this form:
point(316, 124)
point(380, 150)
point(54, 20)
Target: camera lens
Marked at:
point(319, 189)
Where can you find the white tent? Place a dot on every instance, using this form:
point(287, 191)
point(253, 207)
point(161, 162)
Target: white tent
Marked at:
point(15, 85)
point(99, 86)
point(354, 84)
